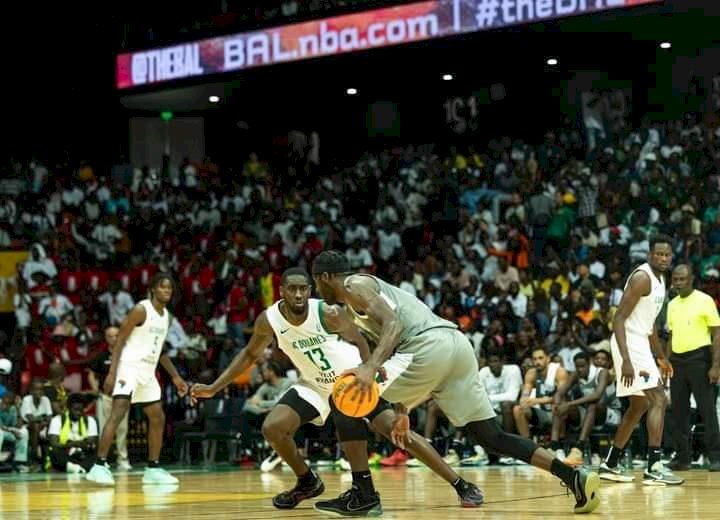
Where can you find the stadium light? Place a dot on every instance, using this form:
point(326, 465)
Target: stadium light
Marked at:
point(351, 91)
point(552, 61)
point(214, 99)
point(665, 45)
point(447, 77)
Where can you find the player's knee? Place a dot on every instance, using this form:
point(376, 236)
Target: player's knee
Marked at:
point(382, 424)
point(274, 429)
point(518, 413)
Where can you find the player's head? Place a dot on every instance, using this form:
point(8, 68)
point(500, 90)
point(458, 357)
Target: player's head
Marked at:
point(661, 252)
point(495, 362)
point(111, 336)
point(682, 280)
point(295, 286)
point(161, 288)
point(7, 401)
point(329, 270)
point(540, 358)
point(601, 359)
point(582, 364)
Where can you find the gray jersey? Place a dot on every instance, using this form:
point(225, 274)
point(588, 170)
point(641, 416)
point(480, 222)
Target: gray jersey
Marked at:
point(414, 315)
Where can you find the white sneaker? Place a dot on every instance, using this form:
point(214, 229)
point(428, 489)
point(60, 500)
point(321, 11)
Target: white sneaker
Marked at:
point(343, 464)
point(100, 475)
point(452, 458)
point(158, 476)
point(71, 467)
point(272, 462)
point(124, 465)
point(415, 463)
point(506, 461)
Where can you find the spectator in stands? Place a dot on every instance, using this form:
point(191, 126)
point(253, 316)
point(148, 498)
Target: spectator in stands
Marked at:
point(55, 388)
point(36, 412)
point(502, 383)
point(266, 396)
point(118, 303)
point(73, 437)
point(12, 430)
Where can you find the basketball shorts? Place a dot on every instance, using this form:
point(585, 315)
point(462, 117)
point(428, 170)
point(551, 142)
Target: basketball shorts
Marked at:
point(440, 364)
point(642, 360)
point(541, 418)
point(137, 383)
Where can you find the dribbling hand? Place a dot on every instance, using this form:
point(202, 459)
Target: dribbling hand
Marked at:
point(364, 377)
point(200, 391)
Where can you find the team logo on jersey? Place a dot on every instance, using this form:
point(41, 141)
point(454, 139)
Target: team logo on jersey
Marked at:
point(284, 331)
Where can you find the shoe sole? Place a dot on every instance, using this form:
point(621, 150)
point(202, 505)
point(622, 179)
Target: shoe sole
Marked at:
point(376, 511)
point(653, 482)
point(592, 488)
point(100, 483)
point(616, 478)
point(319, 491)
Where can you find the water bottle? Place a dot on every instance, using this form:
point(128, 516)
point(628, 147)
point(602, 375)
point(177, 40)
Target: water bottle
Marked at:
point(627, 460)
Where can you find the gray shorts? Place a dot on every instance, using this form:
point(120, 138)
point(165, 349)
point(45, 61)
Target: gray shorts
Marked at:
point(541, 418)
point(442, 366)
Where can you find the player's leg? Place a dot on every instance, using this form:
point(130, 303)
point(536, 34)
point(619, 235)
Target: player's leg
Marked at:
point(656, 472)
point(279, 428)
point(100, 472)
point(522, 416)
point(585, 416)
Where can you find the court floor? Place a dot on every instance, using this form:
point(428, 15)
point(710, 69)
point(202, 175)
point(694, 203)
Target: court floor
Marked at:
point(516, 493)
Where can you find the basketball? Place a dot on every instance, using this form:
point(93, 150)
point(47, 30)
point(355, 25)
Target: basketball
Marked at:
point(348, 401)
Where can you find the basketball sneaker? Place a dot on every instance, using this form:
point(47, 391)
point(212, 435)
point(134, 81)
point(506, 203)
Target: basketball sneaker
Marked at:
point(398, 458)
point(479, 459)
point(660, 475)
point(158, 476)
point(352, 503)
point(342, 464)
point(100, 475)
point(270, 463)
point(452, 458)
point(586, 488)
point(374, 459)
point(415, 463)
point(470, 495)
point(302, 491)
point(616, 474)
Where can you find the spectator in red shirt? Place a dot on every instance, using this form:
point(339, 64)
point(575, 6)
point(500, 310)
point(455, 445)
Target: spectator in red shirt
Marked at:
point(312, 246)
point(71, 280)
point(238, 313)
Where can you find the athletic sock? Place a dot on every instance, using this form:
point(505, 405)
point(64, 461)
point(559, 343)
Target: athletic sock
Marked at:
point(459, 484)
point(613, 456)
point(654, 455)
point(308, 479)
point(563, 472)
point(363, 480)
point(153, 464)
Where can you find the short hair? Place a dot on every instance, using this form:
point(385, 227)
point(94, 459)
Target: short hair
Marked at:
point(295, 271)
point(539, 347)
point(582, 355)
point(331, 262)
point(660, 239)
point(76, 398)
point(274, 366)
point(159, 278)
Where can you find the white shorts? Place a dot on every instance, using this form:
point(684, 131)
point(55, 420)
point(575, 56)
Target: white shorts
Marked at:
point(137, 382)
point(642, 360)
point(319, 397)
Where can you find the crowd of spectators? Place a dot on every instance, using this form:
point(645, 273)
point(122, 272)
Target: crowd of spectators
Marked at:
point(523, 245)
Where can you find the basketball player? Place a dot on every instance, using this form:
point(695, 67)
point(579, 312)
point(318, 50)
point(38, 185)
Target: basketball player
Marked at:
point(322, 342)
point(439, 362)
point(633, 344)
point(590, 408)
point(131, 380)
point(538, 397)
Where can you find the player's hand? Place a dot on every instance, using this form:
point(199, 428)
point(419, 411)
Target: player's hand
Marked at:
point(181, 385)
point(400, 434)
point(627, 373)
point(561, 409)
point(666, 368)
point(109, 383)
point(200, 391)
point(364, 378)
point(714, 375)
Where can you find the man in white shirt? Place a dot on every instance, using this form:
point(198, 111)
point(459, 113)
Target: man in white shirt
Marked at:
point(73, 437)
point(517, 300)
point(54, 307)
point(36, 411)
point(118, 302)
point(503, 384)
point(389, 242)
point(359, 256)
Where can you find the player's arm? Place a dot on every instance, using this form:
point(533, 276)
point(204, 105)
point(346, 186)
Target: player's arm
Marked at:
point(657, 348)
point(336, 320)
point(564, 387)
point(602, 383)
point(363, 294)
point(561, 379)
point(134, 318)
point(638, 286)
point(528, 385)
point(177, 379)
point(261, 338)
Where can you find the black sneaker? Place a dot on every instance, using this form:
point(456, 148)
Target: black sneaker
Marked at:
point(352, 503)
point(291, 498)
point(470, 495)
point(586, 488)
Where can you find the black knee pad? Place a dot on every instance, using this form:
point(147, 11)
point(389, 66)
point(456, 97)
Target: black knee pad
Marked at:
point(490, 436)
point(349, 428)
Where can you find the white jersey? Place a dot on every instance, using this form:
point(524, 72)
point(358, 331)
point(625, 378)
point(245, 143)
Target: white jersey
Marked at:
point(320, 356)
point(144, 346)
point(642, 318)
point(546, 387)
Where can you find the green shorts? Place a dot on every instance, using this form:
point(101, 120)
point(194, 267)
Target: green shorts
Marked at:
point(442, 366)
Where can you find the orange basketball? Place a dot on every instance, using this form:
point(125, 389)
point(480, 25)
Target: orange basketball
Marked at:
point(348, 401)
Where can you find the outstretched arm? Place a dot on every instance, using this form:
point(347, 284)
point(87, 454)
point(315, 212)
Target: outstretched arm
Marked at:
point(262, 337)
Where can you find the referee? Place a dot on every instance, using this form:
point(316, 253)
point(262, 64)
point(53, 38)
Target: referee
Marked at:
point(692, 318)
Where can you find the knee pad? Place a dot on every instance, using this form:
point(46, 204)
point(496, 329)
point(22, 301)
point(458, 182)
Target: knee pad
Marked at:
point(490, 436)
point(349, 428)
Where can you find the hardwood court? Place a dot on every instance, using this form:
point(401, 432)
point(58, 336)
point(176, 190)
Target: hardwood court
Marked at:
point(515, 493)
